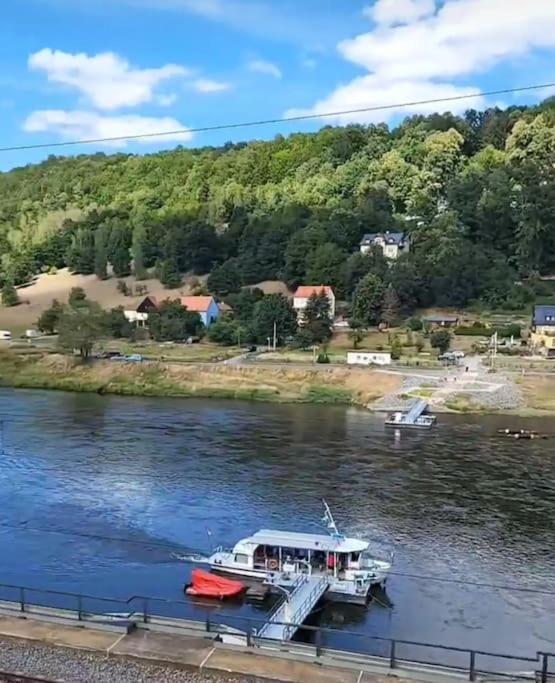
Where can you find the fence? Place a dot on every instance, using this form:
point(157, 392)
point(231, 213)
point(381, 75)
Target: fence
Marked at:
point(363, 648)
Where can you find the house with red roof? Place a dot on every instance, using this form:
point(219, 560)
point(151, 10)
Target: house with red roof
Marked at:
point(303, 294)
point(205, 306)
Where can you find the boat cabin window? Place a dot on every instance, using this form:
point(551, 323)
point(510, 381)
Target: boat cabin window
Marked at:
point(240, 558)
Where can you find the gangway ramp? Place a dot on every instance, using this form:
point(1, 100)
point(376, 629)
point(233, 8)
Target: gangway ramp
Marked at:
point(416, 410)
point(299, 601)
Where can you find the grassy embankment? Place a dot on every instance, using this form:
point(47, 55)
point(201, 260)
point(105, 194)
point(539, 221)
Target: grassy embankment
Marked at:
point(330, 385)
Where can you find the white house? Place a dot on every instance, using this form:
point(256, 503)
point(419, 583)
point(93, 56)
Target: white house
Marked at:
point(392, 244)
point(136, 317)
point(303, 294)
point(368, 358)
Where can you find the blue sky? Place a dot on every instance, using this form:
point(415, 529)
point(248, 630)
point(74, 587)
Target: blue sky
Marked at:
point(95, 68)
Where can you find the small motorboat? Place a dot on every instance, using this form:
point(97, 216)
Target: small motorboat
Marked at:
point(207, 585)
point(522, 434)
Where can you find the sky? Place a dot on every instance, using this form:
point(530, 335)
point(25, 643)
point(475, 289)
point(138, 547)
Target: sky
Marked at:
point(81, 69)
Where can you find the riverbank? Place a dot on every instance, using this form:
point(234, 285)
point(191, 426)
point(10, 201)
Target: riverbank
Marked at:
point(287, 385)
point(372, 389)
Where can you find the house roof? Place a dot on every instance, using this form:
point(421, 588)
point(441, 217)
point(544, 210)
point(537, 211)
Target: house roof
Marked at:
point(199, 304)
point(306, 291)
point(388, 237)
point(289, 539)
point(544, 315)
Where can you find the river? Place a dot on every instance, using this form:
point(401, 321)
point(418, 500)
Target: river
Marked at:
point(99, 495)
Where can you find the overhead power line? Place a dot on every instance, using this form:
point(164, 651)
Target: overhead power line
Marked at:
point(284, 119)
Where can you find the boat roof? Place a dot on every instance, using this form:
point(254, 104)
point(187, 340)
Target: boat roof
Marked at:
point(290, 539)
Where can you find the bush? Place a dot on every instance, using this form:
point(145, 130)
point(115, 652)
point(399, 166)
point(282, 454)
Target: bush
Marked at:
point(441, 340)
point(476, 330)
point(415, 324)
point(323, 358)
point(124, 288)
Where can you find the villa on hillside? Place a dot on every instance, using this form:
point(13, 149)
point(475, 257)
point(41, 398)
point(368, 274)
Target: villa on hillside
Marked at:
point(392, 244)
point(205, 306)
point(303, 294)
point(542, 337)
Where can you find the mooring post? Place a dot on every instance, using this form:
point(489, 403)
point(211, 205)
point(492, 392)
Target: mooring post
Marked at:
point(392, 662)
point(545, 666)
point(472, 669)
point(319, 642)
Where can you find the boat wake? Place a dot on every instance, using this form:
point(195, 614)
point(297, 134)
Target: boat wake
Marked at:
point(195, 558)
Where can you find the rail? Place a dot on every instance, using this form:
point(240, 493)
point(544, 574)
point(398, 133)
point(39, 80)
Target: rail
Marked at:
point(391, 652)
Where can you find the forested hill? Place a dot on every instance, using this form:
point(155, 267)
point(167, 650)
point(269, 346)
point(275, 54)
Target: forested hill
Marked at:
point(475, 193)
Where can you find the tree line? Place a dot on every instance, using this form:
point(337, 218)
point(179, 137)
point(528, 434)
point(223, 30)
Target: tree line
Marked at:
point(475, 193)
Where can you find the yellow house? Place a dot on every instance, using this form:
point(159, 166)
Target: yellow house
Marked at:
point(542, 336)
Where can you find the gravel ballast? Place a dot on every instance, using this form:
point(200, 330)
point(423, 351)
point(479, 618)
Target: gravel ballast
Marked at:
point(79, 666)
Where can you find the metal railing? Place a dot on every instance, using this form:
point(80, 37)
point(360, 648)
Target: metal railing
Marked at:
point(138, 610)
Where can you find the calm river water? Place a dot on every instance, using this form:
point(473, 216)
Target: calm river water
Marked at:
point(99, 494)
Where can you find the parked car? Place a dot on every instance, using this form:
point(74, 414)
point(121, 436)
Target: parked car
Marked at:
point(134, 358)
point(458, 354)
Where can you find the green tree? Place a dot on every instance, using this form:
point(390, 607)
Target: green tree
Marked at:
point(390, 310)
point(9, 294)
point(357, 332)
point(173, 322)
point(396, 348)
point(80, 328)
point(100, 254)
point(117, 324)
point(316, 318)
point(325, 266)
point(120, 256)
point(225, 279)
point(227, 331)
point(168, 273)
point(441, 340)
point(138, 251)
point(368, 300)
point(81, 254)
point(77, 297)
point(49, 319)
point(274, 308)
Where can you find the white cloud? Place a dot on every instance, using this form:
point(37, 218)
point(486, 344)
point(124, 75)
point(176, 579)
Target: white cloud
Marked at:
point(371, 91)
point(425, 57)
point(389, 12)
point(106, 79)
point(206, 85)
point(261, 66)
point(166, 100)
point(88, 125)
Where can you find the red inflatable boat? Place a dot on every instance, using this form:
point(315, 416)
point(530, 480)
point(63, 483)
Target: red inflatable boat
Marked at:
point(209, 585)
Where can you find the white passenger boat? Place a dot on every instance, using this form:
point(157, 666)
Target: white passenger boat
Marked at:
point(347, 563)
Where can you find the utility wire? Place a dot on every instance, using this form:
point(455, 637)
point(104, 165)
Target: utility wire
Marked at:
point(284, 119)
point(177, 546)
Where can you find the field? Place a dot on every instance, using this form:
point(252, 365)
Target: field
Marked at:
point(539, 392)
